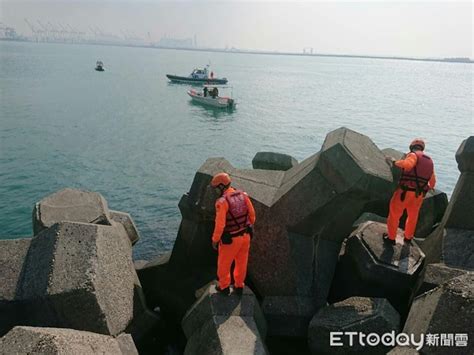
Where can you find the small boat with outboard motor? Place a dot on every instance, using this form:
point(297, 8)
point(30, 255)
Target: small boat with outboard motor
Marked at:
point(210, 97)
point(99, 66)
point(197, 76)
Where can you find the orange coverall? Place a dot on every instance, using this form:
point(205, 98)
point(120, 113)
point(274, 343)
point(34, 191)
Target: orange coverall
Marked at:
point(238, 251)
point(411, 203)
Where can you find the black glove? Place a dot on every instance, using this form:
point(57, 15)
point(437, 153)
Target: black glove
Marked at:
point(249, 230)
point(226, 238)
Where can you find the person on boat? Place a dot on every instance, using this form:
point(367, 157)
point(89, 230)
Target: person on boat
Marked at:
point(212, 75)
point(417, 179)
point(205, 91)
point(233, 230)
point(215, 93)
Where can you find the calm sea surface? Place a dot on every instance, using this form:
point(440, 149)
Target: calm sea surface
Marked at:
point(138, 140)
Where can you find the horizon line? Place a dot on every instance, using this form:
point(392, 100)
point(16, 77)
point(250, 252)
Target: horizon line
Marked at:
point(465, 60)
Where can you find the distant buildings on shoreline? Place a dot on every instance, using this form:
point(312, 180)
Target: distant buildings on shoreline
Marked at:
point(64, 33)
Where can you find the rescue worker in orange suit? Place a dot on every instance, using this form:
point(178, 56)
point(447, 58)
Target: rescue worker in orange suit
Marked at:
point(417, 179)
point(233, 230)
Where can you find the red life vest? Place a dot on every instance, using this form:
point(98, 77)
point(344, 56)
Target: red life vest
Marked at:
point(237, 214)
point(417, 178)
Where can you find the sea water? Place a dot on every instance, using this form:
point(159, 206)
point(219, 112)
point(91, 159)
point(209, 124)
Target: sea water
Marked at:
point(138, 140)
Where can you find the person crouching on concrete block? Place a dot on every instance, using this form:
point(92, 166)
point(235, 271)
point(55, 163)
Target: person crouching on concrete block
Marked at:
point(235, 216)
point(417, 179)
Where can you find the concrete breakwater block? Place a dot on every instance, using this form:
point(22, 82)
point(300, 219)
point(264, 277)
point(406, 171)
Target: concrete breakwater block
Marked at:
point(273, 161)
point(70, 205)
point(371, 267)
point(465, 155)
point(12, 255)
point(80, 276)
point(368, 216)
point(303, 215)
point(79, 206)
point(447, 309)
point(126, 220)
point(459, 213)
point(436, 275)
point(220, 324)
point(379, 262)
point(146, 326)
point(393, 153)
point(458, 248)
point(453, 241)
point(288, 316)
point(32, 340)
point(355, 314)
point(162, 288)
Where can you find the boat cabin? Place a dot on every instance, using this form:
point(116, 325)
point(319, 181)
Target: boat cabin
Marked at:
point(211, 96)
point(99, 66)
point(198, 73)
point(213, 90)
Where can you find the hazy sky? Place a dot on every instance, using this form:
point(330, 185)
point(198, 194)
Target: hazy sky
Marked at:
point(379, 27)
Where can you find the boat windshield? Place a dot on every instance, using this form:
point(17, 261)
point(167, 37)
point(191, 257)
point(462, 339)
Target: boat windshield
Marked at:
point(199, 73)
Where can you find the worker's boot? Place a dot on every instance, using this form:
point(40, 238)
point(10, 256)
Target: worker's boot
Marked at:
point(388, 240)
point(238, 291)
point(225, 291)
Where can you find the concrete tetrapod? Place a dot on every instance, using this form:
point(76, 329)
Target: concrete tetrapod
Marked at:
point(80, 276)
point(12, 255)
point(70, 205)
point(365, 316)
point(159, 282)
point(32, 340)
point(219, 324)
point(446, 310)
point(273, 161)
point(74, 275)
point(79, 206)
point(126, 220)
point(453, 241)
point(437, 274)
point(371, 267)
point(303, 215)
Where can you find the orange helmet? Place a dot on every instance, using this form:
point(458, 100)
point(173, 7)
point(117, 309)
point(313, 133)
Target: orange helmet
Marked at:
point(419, 142)
point(221, 178)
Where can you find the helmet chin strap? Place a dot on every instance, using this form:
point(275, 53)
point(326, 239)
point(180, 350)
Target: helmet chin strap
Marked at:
point(221, 189)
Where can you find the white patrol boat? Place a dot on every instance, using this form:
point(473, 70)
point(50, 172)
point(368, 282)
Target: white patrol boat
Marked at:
point(210, 97)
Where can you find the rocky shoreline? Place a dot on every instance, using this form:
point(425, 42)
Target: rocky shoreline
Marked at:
point(317, 265)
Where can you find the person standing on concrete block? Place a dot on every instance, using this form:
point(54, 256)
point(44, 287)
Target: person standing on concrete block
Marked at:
point(417, 179)
point(233, 230)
